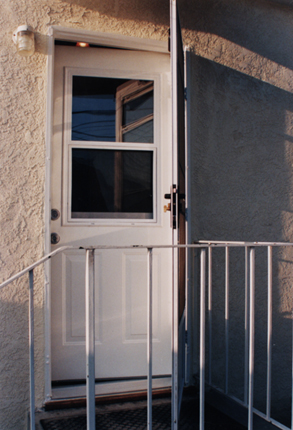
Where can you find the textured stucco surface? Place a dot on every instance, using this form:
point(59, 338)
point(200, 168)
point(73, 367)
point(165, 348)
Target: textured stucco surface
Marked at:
point(241, 172)
point(241, 155)
point(22, 155)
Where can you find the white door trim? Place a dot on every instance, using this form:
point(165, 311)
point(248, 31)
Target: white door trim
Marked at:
point(73, 35)
point(108, 39)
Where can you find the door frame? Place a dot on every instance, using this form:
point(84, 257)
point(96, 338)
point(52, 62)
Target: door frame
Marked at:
point(101, 39)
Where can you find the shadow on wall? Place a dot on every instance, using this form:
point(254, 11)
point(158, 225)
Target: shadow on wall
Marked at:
point(242, 157)
point(260, 26)
point(242, 189)
point(14, 363)
point(152, 10)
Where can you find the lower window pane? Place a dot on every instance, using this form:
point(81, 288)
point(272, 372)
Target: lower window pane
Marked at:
point(112, 184)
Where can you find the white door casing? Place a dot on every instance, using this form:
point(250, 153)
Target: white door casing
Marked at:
point(121, 276)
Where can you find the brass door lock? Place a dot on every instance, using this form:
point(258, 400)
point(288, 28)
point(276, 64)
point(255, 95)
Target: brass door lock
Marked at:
point(167, 207)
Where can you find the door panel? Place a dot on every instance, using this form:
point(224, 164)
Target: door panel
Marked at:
point(111, 165)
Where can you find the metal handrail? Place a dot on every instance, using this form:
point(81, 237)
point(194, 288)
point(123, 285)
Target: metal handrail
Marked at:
point(197, 244)
point(205, 262)
point(34, 265)
point(30, 271)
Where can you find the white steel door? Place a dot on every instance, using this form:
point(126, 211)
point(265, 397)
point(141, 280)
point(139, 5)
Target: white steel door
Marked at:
point(111, 166)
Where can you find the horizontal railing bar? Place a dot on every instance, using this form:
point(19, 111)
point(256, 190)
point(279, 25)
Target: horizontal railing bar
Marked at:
point(255, 411)
point(235, 243)
point(271, 420)
point(203, 245)
point(199, 244)
point(32, 266)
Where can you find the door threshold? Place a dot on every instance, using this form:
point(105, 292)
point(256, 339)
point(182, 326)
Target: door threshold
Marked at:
point(157, 393)
point(107, 392)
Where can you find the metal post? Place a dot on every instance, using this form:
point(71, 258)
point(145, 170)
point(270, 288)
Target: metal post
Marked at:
point(90, 337)
point(175, 342)
point(31, 349)
point(202, 337)
point(251, 337)
point(210, 304)
point(292, 376)
point(246, 328)
point(227, 286)
point(270, 325)
point(149, 338)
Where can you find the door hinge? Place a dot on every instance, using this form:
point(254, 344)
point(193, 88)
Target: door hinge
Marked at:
point(185, 93)
point(186, 337)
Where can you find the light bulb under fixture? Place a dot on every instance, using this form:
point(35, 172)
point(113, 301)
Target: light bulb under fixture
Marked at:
point(82, 44)
point(24, 39)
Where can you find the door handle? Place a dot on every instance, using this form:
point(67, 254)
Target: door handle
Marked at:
point(172, 206)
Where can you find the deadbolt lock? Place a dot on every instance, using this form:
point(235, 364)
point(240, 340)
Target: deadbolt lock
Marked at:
point(55, 238)
point(55, 214)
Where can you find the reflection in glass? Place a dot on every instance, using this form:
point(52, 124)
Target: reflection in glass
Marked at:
point(138, 108)
point(107, 109)
point(112, 184)
point(144, 131)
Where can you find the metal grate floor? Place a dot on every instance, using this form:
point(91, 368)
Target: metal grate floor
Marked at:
point(133, 416)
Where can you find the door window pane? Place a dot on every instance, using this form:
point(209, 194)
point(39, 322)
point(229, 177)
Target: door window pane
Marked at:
point(106, 109)
point(112, 184)
point(142, 132)
point(140, 107)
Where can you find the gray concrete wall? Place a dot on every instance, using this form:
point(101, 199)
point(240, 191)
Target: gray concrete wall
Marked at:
point(241, 170)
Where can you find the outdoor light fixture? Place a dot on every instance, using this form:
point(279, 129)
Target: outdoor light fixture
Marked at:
point(82, 44)
point(24, 39)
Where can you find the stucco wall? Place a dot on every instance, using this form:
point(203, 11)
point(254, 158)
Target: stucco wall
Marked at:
point(22, 155)
point(241, 144)
point(241, 171)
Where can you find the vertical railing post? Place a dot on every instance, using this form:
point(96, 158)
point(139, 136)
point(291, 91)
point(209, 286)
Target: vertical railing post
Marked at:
point(251, 335)
point(90, 337)
point(210, 305)
point(202, 337)
point(246, 328)
point(292, 372)
point(227, 288)
point(270, 325)
point(149, 337)
point(175, 343)
point(31, 349)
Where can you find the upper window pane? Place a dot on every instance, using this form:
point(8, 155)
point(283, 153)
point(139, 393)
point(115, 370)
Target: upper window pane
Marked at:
point(106, 109)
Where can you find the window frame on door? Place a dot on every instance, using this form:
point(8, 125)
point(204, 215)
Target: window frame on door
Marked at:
point(68, 144)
